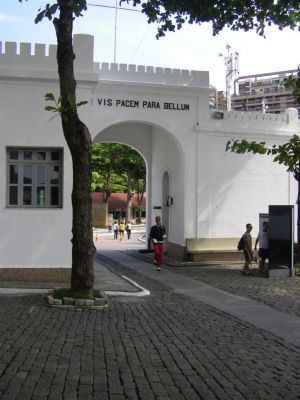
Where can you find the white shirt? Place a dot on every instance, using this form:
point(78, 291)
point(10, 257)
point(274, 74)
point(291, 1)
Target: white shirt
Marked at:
point(263, 238)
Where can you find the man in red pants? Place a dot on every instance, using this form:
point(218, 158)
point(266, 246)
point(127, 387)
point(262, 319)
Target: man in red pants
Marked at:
point(157, 235)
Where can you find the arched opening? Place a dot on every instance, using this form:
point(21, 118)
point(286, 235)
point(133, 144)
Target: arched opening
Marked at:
point(165, 171)
point(118, 185)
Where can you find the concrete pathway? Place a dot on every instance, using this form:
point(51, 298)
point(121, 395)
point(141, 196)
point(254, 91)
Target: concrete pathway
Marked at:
point(285, 326)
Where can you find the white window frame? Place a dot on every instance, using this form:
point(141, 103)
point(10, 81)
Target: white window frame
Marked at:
point(46, 188)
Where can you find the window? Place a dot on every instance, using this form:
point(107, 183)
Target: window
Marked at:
point(34, 177)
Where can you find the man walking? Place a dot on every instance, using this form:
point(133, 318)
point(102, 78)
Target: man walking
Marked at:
point(157, 235)
point(263, 252)
point(248, 253)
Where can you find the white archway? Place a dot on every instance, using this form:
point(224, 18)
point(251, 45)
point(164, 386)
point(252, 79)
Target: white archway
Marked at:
point(165, 170)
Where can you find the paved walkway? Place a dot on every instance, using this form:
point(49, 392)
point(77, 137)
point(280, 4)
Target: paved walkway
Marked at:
point(281, 324)
point(170, 345)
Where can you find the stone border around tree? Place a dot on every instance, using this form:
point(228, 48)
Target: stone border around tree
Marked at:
point(78, 304)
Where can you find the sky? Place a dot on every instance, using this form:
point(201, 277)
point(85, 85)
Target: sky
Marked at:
point(192, 48)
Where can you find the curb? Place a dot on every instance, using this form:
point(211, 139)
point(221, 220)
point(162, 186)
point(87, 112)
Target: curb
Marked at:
point(143, 291)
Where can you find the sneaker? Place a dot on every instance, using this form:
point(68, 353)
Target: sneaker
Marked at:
point(158, 268)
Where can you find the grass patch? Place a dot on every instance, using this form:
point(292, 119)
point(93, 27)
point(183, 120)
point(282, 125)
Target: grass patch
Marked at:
point(64, 292)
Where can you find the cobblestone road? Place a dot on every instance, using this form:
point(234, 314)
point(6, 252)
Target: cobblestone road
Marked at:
point(163, 347)
point(282, 294)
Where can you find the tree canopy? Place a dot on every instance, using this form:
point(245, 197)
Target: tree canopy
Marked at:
point(118, 168)
point(234, 14)
point(105, 166)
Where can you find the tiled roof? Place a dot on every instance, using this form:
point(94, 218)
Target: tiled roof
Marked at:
point(117, 200)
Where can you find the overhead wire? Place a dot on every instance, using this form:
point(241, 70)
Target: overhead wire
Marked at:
point(115, 41)
point(114, 7)
point(140, 43)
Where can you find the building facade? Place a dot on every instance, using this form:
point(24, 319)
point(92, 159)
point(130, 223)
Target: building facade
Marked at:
point(116, 208)
point(264, 92)
point(201, 191)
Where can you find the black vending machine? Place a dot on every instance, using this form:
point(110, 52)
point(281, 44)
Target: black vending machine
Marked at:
point(281, 236)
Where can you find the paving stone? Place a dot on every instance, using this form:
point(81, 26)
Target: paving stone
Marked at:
point(79, 302)
point(100, 301)
point(282, 294)
point(55, 396)
point(55, 302)
point(68, 301)
point(165, 346)
point(130, 394)
point(89, 303)
point(23, 395)
point(174, 393)
point(158, 389)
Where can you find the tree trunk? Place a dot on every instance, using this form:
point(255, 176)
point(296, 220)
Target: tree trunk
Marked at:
point(83, 249)
point(80, 144)
point(129, 197)
point(140, 215)
point(140, 197)
point(106, 215)
point(106, 196)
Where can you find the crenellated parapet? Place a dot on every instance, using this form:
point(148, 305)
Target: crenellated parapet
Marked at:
point(289, 117)
point(153, 75)
point(28, 58)
point(39, 61)
point(253, 116)
point(251, 121)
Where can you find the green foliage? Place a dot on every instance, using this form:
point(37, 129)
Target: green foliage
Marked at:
point(48, 12)
point(103, 158)
point(70, 105)
point(113, 165)
point(77, 6)
point(293, 82)
point(234, 14)
point(243, 146)
point(171, 15)
point(287, 154)
point(97, 181)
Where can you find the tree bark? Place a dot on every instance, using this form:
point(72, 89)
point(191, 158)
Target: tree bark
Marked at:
point(79, 141)
point(140, 197)
point(129, 198)
point(106, 196)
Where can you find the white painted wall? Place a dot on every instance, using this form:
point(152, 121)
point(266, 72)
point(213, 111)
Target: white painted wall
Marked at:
point(32, 237)
point(215, 193)
point(234, 189)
